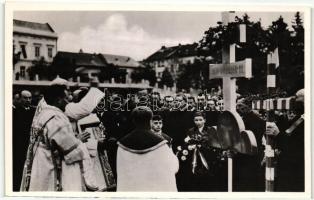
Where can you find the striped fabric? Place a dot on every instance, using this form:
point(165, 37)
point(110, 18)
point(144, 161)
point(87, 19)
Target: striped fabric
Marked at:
point(273, 104)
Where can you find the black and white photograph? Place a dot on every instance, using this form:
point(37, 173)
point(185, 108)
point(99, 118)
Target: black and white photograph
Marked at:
point(157, 100)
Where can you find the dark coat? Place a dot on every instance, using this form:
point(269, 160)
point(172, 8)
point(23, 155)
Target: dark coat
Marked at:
point(290, 167)
point(22, 121)
point(167, 137)
point(214, 179)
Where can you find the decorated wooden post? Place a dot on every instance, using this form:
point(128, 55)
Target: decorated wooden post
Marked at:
point(272, 59)
point(270, 105)
point(230, 125)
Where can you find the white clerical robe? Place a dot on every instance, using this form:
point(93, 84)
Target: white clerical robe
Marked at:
point(152, 171)
point(104, 178)
point(57, 131)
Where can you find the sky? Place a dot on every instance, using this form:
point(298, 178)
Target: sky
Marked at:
point(137, 34)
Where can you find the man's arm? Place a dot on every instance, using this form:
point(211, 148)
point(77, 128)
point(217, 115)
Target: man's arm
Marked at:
point(76, 111)
point(60, 133)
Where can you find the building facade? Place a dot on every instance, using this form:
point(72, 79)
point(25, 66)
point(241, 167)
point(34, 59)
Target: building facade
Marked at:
point(31, 41)
point(171, 58)
point(125, 64)
point(88, 66)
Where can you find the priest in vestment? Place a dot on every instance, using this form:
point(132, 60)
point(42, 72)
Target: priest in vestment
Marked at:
point(144, 160)
point(55, 155)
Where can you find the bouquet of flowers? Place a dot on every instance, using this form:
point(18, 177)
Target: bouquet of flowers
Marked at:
point(191, 150)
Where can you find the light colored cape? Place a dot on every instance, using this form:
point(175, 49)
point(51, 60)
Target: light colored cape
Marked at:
point(151, 171)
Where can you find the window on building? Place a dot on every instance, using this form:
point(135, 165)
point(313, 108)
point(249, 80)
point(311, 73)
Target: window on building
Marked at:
point(23, 49)
point(22, 71)
point(50, 52)
point(37, 51)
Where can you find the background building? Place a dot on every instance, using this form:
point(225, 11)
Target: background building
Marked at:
point(125, 64)
point(171, 58)
point(31, 42)
point(71, 65)
point(87, 66)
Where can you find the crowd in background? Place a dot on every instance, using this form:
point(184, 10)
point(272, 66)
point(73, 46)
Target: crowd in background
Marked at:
point(117, 124)
point(180, 101)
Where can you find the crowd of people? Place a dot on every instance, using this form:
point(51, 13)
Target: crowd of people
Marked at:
point(88, 140)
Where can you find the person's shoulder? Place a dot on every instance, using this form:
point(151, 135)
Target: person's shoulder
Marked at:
point(33, 108)
point(191, 131)
point(167, 137)
point(52, 114)
point(206, 128)
point(141, 141)
point(18, 108)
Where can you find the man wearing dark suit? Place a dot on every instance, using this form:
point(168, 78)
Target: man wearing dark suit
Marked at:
point(22, 120)
point(289, 136)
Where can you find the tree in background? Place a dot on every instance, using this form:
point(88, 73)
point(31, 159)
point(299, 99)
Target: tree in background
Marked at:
point(194, 75)
point(259, 43)
point(297, 48)
point(167, 78)
point(291, 53)
point(41, 67)
point(144, 73)
point(65, 68)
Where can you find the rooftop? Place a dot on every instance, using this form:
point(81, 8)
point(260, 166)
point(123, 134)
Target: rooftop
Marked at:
point(34, 28)
point(179, 51)
point(122, 61)
point(81, 59)
point(95, 60)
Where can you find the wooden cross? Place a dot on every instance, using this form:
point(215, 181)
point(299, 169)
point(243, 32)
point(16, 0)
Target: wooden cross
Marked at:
point(229, 70)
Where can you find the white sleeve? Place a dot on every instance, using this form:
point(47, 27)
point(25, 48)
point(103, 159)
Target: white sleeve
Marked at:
point(91, 145)
point(76, 111)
